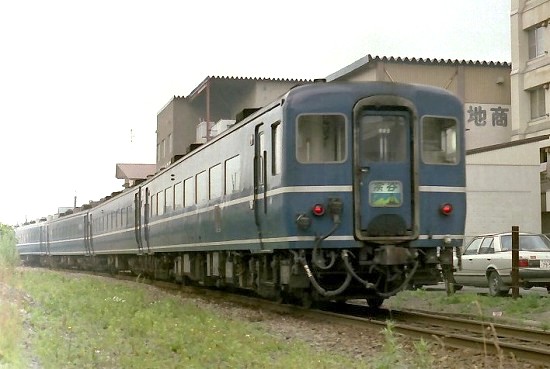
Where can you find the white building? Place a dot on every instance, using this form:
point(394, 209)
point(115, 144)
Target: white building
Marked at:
point(530, 81)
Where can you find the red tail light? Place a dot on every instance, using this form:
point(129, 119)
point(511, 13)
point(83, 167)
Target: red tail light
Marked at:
point(523, 263)
point(318, 210)
point(446, 209)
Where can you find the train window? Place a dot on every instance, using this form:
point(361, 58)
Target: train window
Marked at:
point(439, 140)
point(261, 153)
point(178, 195)
point(154, 207)
point(130, 216)
point(189, 191)
point(276, 148)
point(160, 202)
point(201, 187)
point(232, 175)
point(215, 181)
point(321, 138)
point(384, 138)
point(169, 199)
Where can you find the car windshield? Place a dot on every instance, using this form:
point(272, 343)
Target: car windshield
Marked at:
point(526, 243)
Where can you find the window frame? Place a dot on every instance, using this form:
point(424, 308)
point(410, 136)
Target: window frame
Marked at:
point(341, 139)
point(535, 42)
point(215, 189)
point(537, 102)
point(229, 187)
point(446, 153)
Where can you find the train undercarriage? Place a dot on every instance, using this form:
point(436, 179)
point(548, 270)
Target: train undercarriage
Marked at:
point(295, 276)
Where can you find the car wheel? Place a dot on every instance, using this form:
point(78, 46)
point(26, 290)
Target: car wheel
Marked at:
point(496, 286)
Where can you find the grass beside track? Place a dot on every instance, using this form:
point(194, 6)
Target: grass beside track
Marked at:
point(10, 317)
point(80, 321)
point(532, 309)
point(85, 322)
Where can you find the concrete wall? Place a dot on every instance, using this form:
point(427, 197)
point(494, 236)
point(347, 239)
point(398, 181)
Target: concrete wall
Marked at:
point(503, 190)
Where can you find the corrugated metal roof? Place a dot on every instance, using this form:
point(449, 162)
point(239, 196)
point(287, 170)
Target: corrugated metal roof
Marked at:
point(204, 83)
point(364, 61)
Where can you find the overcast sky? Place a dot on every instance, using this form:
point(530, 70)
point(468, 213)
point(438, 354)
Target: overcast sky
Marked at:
point(81, 82)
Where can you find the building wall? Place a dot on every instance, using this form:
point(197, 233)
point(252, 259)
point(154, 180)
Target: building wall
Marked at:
point(165, 124)
point(483, 87)
point(175, 130)
point(177, 122)
point(529, 73)
point(503, 191)
point(444, 76)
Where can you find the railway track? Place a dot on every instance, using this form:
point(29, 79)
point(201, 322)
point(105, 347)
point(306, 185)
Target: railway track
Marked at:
point(487, 337)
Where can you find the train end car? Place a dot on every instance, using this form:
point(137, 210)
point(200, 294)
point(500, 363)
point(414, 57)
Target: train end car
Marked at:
point(335, 191)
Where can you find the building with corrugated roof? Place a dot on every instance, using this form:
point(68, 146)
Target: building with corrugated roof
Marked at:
point(484, 87)
point(212, 106)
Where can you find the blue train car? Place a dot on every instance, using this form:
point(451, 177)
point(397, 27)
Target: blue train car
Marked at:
point(334, 191)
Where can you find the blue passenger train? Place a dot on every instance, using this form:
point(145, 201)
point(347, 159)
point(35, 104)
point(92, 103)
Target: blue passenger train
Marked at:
point(335, 191)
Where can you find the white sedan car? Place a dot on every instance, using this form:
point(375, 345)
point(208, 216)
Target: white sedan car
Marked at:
point(487, 262)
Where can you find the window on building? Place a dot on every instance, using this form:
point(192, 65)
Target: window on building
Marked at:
point(321, 138)
point(232, 175)
point(169, 145)
point(538, 102)
point(215, 181)
point(536, 42)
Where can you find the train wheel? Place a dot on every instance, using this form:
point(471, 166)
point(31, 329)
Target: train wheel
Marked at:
point(375, 301)
point(306, 300)
point(280, 297)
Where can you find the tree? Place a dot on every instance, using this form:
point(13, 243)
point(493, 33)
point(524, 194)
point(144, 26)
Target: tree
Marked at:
point(8, 249)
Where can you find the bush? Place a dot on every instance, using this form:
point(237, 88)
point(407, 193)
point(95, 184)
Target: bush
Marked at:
point(8, 251)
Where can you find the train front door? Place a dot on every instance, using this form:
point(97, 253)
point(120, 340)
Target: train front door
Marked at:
point(384, 185)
